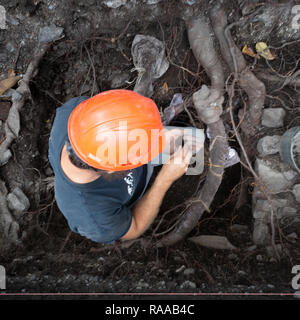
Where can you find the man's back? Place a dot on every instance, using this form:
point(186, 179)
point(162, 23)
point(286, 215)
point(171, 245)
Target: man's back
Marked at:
point(98, 210)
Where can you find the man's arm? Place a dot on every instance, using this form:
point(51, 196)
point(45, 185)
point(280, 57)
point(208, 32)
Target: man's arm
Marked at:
point(144, 212)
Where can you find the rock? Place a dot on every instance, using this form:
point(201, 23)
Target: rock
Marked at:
point(150, 2)
point(286, 212)
point(114, 3)
point(189, 271)
point(268, 145)
point(189, 2)
point(17, 201)
point(188, 285)
point(50, 33)
point(261, 234)
point(273, 117)
point(292, 235)
point(242, 273)
point(296, 192)
point(277, 176)
point(262, 208)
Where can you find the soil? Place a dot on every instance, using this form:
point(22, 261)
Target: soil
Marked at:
point(94, 55)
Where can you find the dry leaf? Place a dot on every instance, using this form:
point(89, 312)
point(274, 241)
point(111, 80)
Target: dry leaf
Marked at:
point(249, 51)
point(215, 242)
point(165, 86)
point(8, 83)
point(263, 50)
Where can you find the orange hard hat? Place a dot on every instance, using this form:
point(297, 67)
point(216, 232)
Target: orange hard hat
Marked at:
point(116, 130)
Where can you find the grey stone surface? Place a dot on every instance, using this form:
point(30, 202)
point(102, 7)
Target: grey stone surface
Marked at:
point(296, 192)
point(276, 176)
point(17, 201)
point(114, 3)
point(189, 271)
point(50, 33)
point(152, 1)
point(281, 208)
point(273, 117)
point(261, 234)
point(287, 212)
point(268, 145)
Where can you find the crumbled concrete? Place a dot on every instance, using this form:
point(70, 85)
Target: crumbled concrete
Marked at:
point(296, 192)
point(281, 208)
point(150, 2)
point(273, 117)
point(276, 176)
point(189, 271)
point(286, 212)
point(17, 201)
point(261, 234)
point(268, 145)
point(114, 3)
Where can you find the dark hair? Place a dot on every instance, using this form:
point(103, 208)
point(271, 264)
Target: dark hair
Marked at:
point(76, 160)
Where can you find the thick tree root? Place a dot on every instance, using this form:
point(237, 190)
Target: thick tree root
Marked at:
point(8, 226)
point(254, 88)
point(208, 106)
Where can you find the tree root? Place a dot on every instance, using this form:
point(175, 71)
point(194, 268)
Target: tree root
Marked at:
point(207, 103)
point(8, 226)
point(254, 88)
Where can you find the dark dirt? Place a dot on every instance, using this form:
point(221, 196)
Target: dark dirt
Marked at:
point(50, 258)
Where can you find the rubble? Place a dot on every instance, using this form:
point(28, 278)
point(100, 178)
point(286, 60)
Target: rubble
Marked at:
point(277, 176)
point(273, 117)
point(268, 145)
point(296, 192)
point(17, 201)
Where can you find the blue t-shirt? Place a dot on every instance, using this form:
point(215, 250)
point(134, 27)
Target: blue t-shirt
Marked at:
point(99, 210)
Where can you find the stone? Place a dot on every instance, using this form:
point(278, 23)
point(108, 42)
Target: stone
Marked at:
point(114, 3)
point(188, 285)
point(261, 234)
point(263, 207)
point(286, 212)
point(189, 271)
point(277, 177)
point(50, 33)
point(268, 145)
point(273, 117)
point(17, 201)
point(150, 2)
point(296, 192)
point(189, 2)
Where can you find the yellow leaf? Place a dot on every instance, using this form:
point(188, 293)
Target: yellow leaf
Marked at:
point(165, 86)
point(248, 51)
point(263, 50)
point(8, 83)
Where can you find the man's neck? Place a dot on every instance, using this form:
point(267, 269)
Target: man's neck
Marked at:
point(74, 173)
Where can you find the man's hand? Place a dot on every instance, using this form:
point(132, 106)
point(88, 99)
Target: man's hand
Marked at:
point(177, 165)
